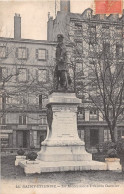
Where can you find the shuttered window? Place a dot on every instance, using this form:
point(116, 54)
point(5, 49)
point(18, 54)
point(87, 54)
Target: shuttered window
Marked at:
point(79, 67)
point(42, 75)
point(22, 77)
point(22, 53)
point(3, 73)
point(3, 51)
point(41, 54)
point(22, 120)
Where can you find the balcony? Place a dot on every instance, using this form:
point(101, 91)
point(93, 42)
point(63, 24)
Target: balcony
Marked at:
point(22, 126)
point(91, 123)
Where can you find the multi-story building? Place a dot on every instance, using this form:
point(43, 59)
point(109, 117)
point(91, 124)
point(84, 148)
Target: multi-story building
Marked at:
point(86, 35)
point(25, 73)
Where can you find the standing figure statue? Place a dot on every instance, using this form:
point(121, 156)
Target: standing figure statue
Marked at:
point(61, 74)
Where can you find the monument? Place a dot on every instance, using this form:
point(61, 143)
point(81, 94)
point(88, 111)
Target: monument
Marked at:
point(62, 142)
point(61, 75)
point(62, 150)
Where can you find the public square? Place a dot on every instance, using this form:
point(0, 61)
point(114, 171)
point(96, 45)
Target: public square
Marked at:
point(62, 97)
point(10, 172)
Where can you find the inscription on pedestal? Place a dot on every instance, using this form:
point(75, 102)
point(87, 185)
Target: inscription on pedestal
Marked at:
point(65, 122)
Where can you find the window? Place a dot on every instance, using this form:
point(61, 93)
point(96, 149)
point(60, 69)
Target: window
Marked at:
point(92, 34)
point(92, 52)
point(79, 67)
point(107, 136)
point(122, 134)
point(42, 75)
point(41, 54)
point(105, 31)
point(106, 49)
point(82, 135)
point(71, 72)
point(22, 120)
point(89, 14)
point(3, 121)
point(105, 26)
point(120, 69)
point(93, 114)
point(94, 137)
point(40, 101)
point(23, 99)
point(3, 102)
point(2, 52)
point(118, 134)
point(91, 74)
point(32, 99)
point(22, 77)
point(81, 113)
point(12, 100)
point(78, 29)
point(93, 87)
point(22, 53)
point(0, 73)
point(78, 48)
point(119, 32)
point(3, 73)
point(43, 120)
point(119, 50)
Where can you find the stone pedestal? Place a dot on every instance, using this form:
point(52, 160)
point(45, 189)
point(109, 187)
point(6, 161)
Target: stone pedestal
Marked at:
point(62, 149)
point(113, 164)
point(62, 142)
point(18, 159)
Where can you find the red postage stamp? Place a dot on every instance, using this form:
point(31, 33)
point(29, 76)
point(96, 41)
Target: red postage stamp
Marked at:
point(108, 6)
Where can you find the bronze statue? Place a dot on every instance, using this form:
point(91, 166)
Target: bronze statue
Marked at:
point(61, 74)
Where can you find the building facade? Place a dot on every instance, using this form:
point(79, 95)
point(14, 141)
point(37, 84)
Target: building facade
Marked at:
point(26, 73)
point(87, 35)
point(25, 80)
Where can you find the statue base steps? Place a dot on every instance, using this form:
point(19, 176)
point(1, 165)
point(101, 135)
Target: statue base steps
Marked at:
point(60, 166)
point(62, 149)
point(63, 153)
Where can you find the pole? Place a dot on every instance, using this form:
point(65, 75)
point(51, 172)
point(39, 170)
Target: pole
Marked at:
point(55, 8)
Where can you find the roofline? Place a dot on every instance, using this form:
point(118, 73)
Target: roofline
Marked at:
point(30, 41)
point(98, 21)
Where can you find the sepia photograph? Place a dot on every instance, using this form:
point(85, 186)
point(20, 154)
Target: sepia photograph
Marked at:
point(62, 96)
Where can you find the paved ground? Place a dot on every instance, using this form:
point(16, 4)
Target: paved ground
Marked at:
point(11, 173)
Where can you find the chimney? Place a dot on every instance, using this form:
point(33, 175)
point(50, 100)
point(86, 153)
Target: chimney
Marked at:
point(48, 15)
point(65, 5)
point(17, 26)
point(50, 27)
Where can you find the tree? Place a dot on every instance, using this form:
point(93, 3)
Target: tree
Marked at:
point(103, 68)
point(21, 85)
point(107, 84)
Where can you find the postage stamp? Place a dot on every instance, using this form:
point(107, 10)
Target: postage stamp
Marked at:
point(108, 6)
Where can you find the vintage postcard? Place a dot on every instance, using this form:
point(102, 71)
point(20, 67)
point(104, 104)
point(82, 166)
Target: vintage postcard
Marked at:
point(62, 96)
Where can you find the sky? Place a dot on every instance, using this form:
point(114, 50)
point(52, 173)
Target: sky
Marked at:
point(34, 16)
